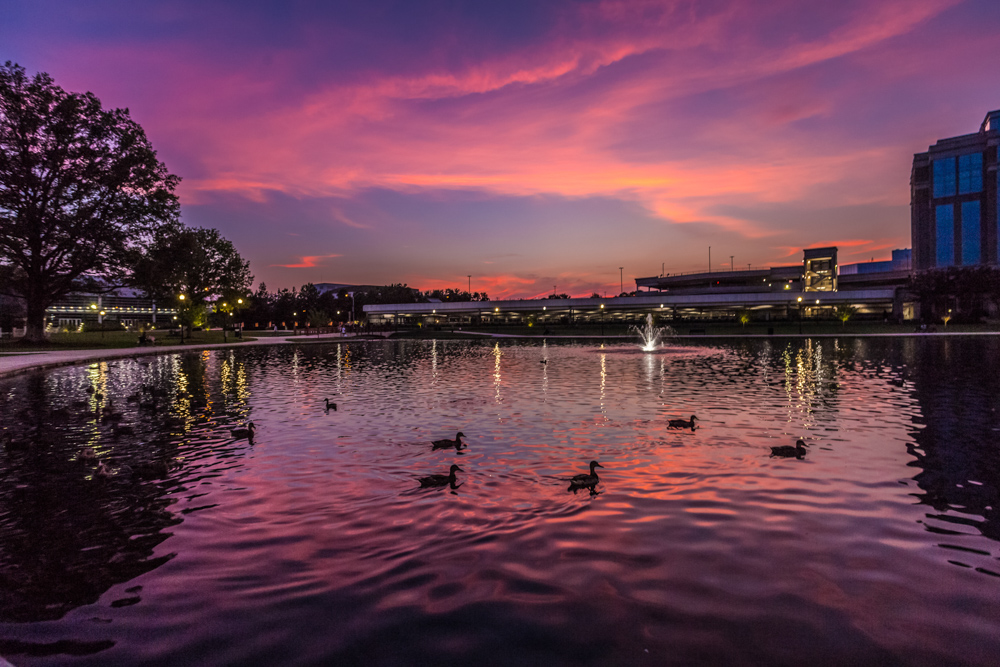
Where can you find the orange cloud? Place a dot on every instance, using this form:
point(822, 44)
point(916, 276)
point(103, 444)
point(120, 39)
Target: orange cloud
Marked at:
point(307, 262)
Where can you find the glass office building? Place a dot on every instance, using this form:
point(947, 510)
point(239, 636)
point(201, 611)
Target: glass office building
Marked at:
point(953, 200)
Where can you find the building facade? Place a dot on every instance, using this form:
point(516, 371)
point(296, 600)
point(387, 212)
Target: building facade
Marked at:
point(953, 200)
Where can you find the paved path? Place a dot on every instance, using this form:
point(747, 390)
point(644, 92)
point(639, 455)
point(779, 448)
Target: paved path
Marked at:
point(13, 364)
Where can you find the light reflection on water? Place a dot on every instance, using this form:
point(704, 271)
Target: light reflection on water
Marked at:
point(315, 544)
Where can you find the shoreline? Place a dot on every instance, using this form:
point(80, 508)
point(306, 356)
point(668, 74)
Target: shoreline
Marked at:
point(26, 362)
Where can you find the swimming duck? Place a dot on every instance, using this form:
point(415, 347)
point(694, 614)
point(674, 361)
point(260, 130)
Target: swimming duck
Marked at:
point(444, 444)
point(786, 451)
point(88, 455)
point(584, 480)
point(240, 433)
point(441, 480)
point(329, 405)
point(683, 423)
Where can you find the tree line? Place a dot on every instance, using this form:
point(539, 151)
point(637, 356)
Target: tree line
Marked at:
point(311, 306)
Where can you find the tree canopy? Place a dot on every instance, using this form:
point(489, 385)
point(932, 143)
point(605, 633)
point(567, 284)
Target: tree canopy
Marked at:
point(81, 191)
point(198, 263)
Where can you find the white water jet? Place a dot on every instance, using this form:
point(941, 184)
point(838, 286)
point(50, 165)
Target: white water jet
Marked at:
point(650, 335)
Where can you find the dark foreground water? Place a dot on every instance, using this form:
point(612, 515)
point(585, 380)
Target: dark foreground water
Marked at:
point(142, 532)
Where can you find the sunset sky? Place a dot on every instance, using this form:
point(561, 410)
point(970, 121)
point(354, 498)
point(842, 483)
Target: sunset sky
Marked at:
point(530, 144)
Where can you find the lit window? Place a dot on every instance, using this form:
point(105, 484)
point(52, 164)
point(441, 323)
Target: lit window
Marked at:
point(945, 219)
point(944, 177)
point(970, 173)
point(970, 232)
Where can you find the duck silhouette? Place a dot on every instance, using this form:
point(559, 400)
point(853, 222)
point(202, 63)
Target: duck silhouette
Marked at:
point(445, 443)
point(585, 480)
point(329, 405)
point(441, 480)
point(682, 423)
point(787, 451)
point(240, 433)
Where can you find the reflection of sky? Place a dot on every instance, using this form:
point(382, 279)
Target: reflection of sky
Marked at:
point(530, 144)
point(892, 509)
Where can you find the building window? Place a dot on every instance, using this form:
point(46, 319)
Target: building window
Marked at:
point(945, 219)
point(970, 173)
point(970, 233)
point(944, 177)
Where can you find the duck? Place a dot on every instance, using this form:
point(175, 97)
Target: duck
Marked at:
point(240, 433)
point(585, 480)
point(787, 451)
point(441, 480)
point(88, 455)
point(445, 443)
point(329, 405)
point(683, 423)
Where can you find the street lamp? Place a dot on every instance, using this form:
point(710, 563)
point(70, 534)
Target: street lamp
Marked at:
point(621, 279)
point(181, 298)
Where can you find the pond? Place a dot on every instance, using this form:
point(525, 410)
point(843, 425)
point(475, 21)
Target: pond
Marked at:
point(136, 528)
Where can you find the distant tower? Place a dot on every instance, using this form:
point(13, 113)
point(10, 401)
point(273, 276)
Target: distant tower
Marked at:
point(953, 200)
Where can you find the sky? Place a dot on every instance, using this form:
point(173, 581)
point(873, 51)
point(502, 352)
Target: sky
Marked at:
point(534, 146)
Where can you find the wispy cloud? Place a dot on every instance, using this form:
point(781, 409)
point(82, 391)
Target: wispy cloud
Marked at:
point(707, 122)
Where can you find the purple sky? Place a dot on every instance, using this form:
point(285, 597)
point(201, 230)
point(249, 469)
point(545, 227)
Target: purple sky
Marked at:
point(530, 144)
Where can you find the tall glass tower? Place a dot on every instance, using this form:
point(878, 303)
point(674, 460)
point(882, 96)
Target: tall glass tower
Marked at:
point(953, 200)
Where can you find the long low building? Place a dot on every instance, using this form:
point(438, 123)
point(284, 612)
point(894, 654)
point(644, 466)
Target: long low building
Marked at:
point(813, 289)
point(764, 305)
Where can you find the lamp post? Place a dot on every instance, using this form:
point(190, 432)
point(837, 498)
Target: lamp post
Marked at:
point(181, 298)
point(800, 314)
point(621, 279)
point(469, 276)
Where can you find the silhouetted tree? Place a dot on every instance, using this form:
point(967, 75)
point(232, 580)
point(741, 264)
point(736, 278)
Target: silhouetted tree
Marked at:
point(198, 263)
point(81, 191)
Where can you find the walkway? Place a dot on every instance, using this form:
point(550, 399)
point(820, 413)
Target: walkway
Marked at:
point(21, 362)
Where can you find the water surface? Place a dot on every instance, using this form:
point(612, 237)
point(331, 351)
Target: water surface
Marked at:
point(172, 542)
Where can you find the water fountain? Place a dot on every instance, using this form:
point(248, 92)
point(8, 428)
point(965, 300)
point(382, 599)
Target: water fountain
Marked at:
point(650, 334)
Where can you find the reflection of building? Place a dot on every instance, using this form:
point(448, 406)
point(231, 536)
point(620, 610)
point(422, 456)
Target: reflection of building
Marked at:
point(953, 200)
